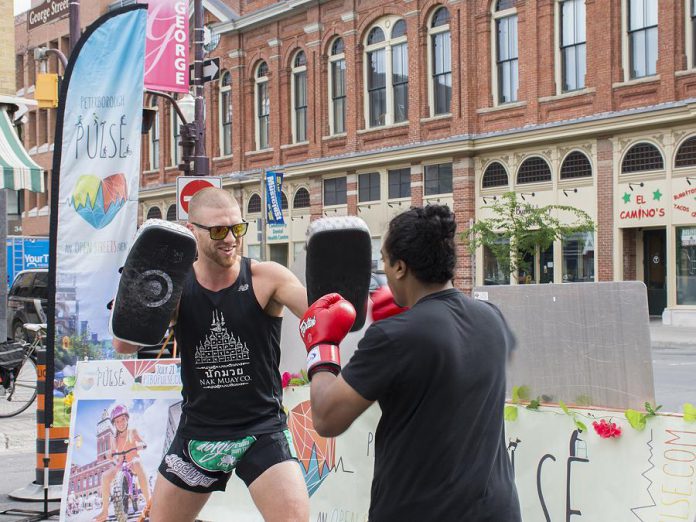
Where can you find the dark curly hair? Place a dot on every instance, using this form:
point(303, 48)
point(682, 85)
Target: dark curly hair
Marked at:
point(423, 238)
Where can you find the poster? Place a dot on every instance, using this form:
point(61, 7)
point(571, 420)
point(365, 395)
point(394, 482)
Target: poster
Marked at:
point(167, 46)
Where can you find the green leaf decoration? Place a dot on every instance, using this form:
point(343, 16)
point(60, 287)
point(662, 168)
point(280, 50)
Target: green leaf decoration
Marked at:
point(533, 404)
point(564, 407)
point(510, 413)
point(520, 393)
point(580, 425)
point(583, 400)
point(636, 419)
point(689, 412)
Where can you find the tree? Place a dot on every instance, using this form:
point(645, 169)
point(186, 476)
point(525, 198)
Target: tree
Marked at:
point(517, 229)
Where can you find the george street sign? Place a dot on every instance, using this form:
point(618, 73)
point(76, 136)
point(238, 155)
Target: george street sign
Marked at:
point(211, 70)
point(47, 12)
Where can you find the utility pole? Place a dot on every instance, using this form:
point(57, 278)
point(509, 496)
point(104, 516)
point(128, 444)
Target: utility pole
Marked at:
point(201, 164)
point(74, 14)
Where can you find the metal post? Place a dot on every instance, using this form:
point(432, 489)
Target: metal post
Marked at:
point(74, 15)
point(3, 265)
point(201, 164)
point(264, 217)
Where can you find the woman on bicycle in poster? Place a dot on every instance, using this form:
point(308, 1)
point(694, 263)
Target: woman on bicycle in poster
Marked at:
point(124, 450)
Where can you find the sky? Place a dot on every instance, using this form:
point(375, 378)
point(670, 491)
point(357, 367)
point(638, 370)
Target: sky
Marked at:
point(21, 5)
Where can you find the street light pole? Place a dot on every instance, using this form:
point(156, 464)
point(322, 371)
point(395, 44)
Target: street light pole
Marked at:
point(201, 164)
point(74, 13)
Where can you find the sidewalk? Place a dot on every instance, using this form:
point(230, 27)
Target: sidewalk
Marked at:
point(671, 337)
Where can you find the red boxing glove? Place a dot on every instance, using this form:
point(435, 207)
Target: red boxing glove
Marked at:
point(322, 328)
point(383, 304)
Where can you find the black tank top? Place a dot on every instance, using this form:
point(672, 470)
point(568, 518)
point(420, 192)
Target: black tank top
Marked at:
point(230, 352)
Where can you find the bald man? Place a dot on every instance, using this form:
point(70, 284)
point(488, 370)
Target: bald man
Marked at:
point(228, 333)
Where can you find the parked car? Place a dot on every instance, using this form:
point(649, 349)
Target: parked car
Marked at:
point(377, 280)
point(27, 301)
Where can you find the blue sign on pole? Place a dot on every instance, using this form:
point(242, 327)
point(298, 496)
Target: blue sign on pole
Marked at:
point(274, 209)
point(24, 253)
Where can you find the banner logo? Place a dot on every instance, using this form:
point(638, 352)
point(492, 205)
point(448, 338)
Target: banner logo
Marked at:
point(97, 201)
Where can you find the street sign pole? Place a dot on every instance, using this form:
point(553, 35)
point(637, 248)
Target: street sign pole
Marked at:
point(201, 164)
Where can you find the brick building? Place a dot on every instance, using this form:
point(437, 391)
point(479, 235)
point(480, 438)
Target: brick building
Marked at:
point(370, 107)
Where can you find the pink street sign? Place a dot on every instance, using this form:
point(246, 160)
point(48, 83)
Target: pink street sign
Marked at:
point(167, 48)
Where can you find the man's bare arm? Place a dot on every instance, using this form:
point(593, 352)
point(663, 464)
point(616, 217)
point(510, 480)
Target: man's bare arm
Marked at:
point(335, 404)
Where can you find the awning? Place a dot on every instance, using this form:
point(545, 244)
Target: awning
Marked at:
point(19, 171)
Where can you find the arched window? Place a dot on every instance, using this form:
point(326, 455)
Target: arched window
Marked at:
point(534, 170)
point(506, 54)
point(263, 107)
point(641, 157)
point(254, 205)
point(154, 213)
point(171, 213)
point(283, 201)
point(301, 199)
point(495, 176)
point(226, 114)
point(299, 98)
point(386, 79)
point(576, 165)
point(686, 155)
point(337, 87)
point(440, 42)
point(155, 140)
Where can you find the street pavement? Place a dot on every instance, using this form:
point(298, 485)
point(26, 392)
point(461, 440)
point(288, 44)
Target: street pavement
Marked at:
point(674, 365)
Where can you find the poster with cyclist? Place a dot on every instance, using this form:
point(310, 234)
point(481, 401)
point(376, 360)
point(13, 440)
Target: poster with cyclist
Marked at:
point(123, 417)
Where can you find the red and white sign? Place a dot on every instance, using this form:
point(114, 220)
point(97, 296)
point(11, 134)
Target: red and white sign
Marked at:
point(167, 45)
point(187, 186)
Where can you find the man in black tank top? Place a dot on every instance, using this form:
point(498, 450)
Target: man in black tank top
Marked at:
point(437, 370)
point(228, 333)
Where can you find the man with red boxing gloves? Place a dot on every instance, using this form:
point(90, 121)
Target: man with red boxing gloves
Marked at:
point(436, 363)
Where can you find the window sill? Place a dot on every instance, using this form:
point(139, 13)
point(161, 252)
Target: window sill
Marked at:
point(384, 127)
point(687, 72)
point(637, 81)
point(570, 94)
point(171, 167)
point(334, 136)
point(148, 172)
point(436, 118)
point(291, 145)
point(504, 106)
point(258, 152)
point(220, 158)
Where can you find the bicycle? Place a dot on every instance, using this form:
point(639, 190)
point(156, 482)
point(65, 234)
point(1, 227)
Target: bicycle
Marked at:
point(18, 373)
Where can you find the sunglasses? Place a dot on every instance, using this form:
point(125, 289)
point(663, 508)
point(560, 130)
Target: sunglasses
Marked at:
point(219, 232)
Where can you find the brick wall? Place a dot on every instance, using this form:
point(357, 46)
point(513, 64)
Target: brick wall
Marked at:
point(629, 254)
point(605, 211)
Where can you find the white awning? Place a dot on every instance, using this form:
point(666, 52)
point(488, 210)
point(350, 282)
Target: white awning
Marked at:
point(19, 171)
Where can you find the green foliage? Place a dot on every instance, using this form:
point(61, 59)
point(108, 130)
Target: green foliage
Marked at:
point(578, 424)
point(520, 393)
point(639, 420)
point(689, 412)
point(518, 228)
point(534, 404)
point(510, 413)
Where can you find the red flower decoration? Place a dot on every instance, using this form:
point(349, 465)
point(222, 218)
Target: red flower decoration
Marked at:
point(286, 379)
point(606, 430)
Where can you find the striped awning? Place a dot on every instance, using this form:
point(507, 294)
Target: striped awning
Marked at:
point(19, 171)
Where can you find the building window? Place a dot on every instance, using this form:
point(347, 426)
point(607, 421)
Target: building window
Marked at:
point(254, 205)
point(495, 175)
point(334, 191)
point(301, 199)
point(176, 150)
point(387, 58)
point(299, 98)
point(534, 170)
point(576, 165)
point(438, 179)
point(283, 201)
point(686, 265)
point(686, 155)
point(15, 202)
point(226, 114)
point(254, 252)
point(171, 213)
point(441, 62)
point(642, 37)
point(692, 27)
point(642, 157)
point(493, 273)
point(337, 84)
point(572, 45)
point(154, 213)
point(399, 183)
point(155, 140)
point(263, 107)
point(578, 258)
point(506, 57)
point(368, 187)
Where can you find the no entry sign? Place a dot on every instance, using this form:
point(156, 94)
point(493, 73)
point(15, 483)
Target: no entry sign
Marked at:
point(187, 186)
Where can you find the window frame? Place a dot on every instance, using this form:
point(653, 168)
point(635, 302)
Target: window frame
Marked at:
point(401, 171)
point(627, 48)
point(494, 188)
point(690, 33)
point(525, 160)
point(154, 140)
point(641, 172)
point(323, 191)
point(149, 210)
point(386, 24)
point(562, 179)
point(677, 151)
point(296, 73)
point(434, 32)
point(334, 59)
point(262, 83)
point(439, 180)
point(248, 204)
point(496, 17)
point(370, 177)
point(560, 63)
point(176, 151)
point(225, 125)
point(294, 198)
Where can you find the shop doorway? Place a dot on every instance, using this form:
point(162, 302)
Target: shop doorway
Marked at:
point(655, 269)
point(279, 253)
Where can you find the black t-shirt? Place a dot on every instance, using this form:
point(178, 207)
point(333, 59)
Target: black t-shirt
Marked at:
point(438, 373)
point(230, 352)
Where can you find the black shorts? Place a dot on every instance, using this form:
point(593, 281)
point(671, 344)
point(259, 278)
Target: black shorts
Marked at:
point(206, 466)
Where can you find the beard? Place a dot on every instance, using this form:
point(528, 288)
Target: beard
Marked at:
point(220, 259)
